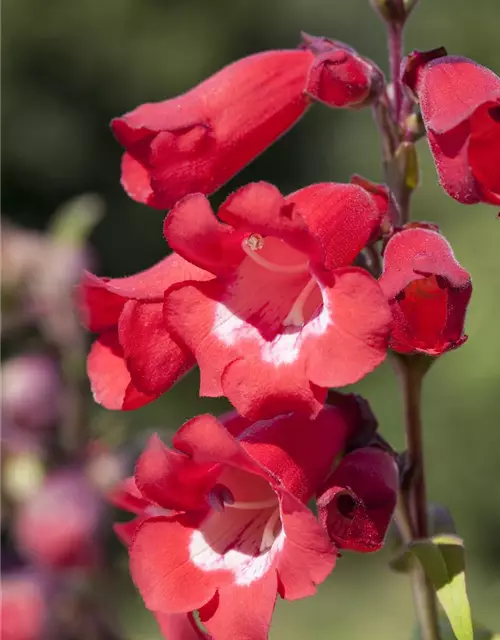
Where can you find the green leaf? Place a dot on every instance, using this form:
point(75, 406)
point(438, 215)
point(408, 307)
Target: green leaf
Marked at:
point(440, 520)
point(442, 558)
point(446, 633)
point(73, 222)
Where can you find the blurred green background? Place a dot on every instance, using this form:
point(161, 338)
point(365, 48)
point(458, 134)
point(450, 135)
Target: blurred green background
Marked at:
point(69, 67)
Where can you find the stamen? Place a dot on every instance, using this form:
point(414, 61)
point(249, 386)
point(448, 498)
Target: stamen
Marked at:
point(254, 243)
point(268, 535)
point(295, 316)
point(265, 504)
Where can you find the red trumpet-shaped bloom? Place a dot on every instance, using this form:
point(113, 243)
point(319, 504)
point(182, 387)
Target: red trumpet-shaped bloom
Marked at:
point(428, 292)
point(460, 104)
point(197, 141)
point(358, 500)
point(286, 315)
point(223, 525)
point(134, 359)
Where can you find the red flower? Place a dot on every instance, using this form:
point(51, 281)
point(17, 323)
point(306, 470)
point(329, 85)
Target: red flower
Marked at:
point(428, 292)
point(232, 528)
point(339, 76)
point(134, 359)
point(358, 500)
point(460, 105)
point(286, 315)
point(197, 141)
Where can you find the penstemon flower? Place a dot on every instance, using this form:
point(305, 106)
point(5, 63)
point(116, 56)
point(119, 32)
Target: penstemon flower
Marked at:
point(224, 518)
point(287, 314)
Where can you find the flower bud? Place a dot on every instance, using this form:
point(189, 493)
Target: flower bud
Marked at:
point(57, 526)
point(428, 292)
point(358, 500)
point(339, 76)
point(394, 11)
point(31, 391)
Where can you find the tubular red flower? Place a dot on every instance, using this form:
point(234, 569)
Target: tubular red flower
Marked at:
point(460, 104)
point(358, 500)
point(286, 315)
point(428, 292)
point(197, 141)
point(226, 527)
point(134, 359)
point(339, 76)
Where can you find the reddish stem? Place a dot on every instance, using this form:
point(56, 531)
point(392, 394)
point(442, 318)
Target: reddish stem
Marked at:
point(395, 32)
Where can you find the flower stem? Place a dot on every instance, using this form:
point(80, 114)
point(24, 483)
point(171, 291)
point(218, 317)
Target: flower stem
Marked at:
point(413, 508)
point(395, 33)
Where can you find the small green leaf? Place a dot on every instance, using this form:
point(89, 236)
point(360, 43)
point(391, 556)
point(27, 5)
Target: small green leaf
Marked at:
point(440, 521)
point(442, 558)
point(73, 222)
point(446, 633)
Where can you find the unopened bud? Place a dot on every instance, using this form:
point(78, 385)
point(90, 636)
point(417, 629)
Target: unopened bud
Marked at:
point(394, 11)
point(340, 77)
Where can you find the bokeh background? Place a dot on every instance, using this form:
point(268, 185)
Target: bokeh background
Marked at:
point(69, 67)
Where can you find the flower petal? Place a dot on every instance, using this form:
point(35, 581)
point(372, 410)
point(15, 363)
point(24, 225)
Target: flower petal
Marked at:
point(136, 182)
point(260, 208)
point(162, 567)
point(109, 377)
point(307, 556)
point(171, 479)
point(450, 88)
point(349, 338)
point(484, 149)
point(264, 395)
point(153, 358)
point(192, 229)
point(244, 611)
point(416, 253)
point(179, 626)
point(340, 217)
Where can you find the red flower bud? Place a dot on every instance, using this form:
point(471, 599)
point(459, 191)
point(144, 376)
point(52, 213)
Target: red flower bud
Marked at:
point(460, 104)
point(358, 500)
point(339, 76)
point(428, 292)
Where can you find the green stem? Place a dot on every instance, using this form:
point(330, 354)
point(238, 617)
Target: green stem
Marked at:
point(413, 504)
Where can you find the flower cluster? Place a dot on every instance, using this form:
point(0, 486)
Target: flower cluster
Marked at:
point(277, 299)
